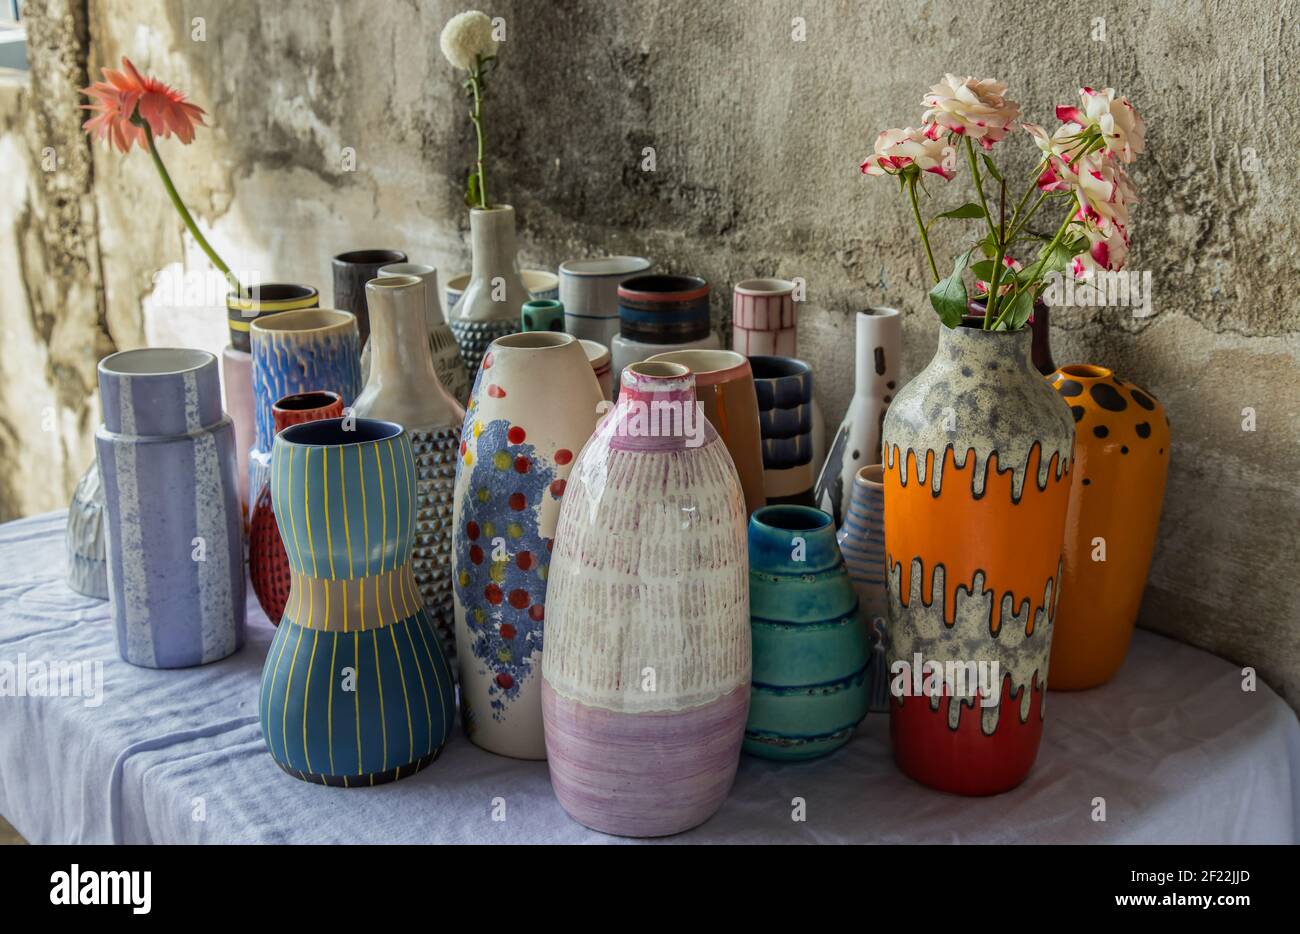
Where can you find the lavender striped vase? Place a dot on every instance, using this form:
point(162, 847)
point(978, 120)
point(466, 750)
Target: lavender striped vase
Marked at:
point(174, 545)
point(862, 542)
point(645, 678)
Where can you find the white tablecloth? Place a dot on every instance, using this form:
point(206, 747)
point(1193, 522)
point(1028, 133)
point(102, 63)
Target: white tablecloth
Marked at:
point(1174, 746)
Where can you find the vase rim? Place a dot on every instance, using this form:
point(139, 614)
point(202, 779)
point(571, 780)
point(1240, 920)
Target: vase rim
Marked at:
point(332, 433)
point(655, 370)
point(407, 269)
point(1085, 371)
point(304, 319)
point(306, 401)
point(773, 367)
point(763, 286)
point(543, 304)
point(599, 267)
point(709, 366)
point(372, 257)
point(879, 311)
point(596, 352)
point(394, 282)
point(663, 287)
point(493, 209)
point(786, 517)
point(271, 293)
point(872, 475)
point(155, 361)
point(533, 340)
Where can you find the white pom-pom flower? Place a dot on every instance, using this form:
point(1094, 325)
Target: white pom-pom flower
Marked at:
point(466, 38)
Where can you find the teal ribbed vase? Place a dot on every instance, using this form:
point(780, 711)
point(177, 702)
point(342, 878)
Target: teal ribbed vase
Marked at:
point(810, 644)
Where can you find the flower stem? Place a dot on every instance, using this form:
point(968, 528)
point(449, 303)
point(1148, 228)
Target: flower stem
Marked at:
point(185, 214)
point(1040, 263)
point(979, 184)
point(920, 225)
point(476, 117)
point(996, 279)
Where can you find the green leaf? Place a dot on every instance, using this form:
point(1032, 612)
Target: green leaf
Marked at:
point(988, 246)
point(968, 210)
point(983, 270)
point(993, 169)
point(1022, 306)
point(949, 295)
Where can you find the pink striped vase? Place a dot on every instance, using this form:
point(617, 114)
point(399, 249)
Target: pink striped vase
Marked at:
point(764, 321)
point(645, 678)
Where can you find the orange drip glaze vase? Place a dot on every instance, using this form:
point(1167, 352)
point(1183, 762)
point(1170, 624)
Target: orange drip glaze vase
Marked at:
point(1121, 461)
point(978, 452)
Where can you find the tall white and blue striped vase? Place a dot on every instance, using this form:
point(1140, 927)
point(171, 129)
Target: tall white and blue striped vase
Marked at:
point(862, 542)
point(174, 535)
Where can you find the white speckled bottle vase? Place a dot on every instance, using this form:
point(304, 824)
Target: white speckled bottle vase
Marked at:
point(174, 545)
point(645, 687)
point(978, 452)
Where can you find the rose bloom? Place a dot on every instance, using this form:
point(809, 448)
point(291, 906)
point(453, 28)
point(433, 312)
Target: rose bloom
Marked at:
point(978, 108)
point(897, 150)
point(1107, 251)
point(1116, 120)
point(1098, 182)
point(466, 38)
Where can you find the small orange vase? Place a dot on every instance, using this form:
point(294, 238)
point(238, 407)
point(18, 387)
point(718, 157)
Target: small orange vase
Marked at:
point(1121, 460)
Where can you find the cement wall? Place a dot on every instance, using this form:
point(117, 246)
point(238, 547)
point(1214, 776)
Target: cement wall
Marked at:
point(757, 138)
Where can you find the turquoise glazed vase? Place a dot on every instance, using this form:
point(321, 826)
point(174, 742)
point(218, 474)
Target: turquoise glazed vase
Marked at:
point(811, 647)
point(355, 689)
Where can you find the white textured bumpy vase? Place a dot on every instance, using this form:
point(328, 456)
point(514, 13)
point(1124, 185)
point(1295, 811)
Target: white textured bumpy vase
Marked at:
point(645, 688)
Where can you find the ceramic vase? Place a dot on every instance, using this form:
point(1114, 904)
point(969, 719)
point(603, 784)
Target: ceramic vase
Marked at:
point(589, 291)
point(352, 270)
point(355, 691)
point(598, 357)
point(174, 545)
point(647, 667)
point(442, 343)
point(533, 407)
point(542, 314)
point(539, 283)
point(862, 542)
point(404, 388)
point(857, 442)
point(268, 565)
point(1121, 461)
point(765, 322)
point(978, 454)
point(237, 361)
point(784, 390)
point(811, 645)
point(83, 538)
point(1040, 345)
point(293, 352)
point(658, 314)
point(489, 308)
point(724, 386)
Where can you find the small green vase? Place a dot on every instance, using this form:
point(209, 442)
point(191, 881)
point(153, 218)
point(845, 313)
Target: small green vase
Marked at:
point(542, 314)
point(811, 646)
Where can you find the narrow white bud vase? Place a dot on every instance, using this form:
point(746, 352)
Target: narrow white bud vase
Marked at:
point(857, 442)
point(489, 307)
point(404, 388)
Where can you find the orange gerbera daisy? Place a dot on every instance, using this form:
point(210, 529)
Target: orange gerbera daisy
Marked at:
point(123, 94)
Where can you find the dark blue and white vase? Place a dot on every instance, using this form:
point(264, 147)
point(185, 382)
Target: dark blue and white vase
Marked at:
point(785, 417)
point(312, 350)
point(658, 314)
point(174, 544)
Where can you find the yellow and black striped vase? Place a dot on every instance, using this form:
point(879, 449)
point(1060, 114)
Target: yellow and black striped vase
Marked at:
point(355, 690)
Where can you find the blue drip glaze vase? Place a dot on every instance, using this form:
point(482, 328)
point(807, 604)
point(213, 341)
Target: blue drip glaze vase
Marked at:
point(810, 644)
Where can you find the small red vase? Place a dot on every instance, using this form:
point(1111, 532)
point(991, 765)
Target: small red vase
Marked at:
point(267, 562)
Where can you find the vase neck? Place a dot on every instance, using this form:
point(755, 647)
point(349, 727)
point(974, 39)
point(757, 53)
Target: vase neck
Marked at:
point(870, 347)
point(403, 380)
point(657, 409)
point(492, 240)
point(991, 352)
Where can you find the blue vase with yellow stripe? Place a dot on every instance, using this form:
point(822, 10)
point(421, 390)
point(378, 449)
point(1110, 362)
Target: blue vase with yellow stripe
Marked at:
point(810, 644)
point(355, 690)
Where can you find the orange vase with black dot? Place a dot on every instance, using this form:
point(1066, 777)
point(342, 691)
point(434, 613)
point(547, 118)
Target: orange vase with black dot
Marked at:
point(978, 457)
point(1121, 460)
